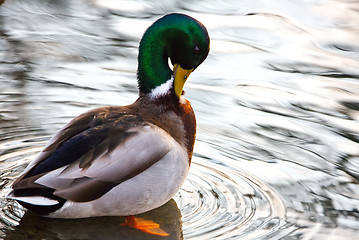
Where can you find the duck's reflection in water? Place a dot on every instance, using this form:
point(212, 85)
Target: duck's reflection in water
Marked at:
point(33, 226)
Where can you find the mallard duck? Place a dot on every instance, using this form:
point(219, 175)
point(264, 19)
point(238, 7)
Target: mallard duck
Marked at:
point(121, 161)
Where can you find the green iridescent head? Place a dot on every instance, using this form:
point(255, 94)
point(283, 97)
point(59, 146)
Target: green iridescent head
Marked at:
point(180, 38)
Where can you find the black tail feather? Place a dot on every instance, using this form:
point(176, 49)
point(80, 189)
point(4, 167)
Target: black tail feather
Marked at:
point(43, 192)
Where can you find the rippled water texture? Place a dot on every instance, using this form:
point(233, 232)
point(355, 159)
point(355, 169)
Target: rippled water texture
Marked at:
point(277, 104)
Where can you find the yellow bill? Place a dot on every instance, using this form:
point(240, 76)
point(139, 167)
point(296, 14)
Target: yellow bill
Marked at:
point(180, 75)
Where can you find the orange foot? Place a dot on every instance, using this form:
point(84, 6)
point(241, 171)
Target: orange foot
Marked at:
point(146, 226)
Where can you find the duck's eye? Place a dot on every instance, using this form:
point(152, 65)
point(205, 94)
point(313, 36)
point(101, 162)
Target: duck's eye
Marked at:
point(196, 50)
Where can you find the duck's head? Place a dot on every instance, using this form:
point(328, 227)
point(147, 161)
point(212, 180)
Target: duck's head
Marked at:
point(177, 37)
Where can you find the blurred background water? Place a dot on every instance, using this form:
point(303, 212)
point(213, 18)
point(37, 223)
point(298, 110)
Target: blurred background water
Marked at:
point(277, 106)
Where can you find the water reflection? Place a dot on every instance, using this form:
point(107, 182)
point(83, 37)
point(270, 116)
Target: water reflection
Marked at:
point(34, 227)
point(276, 101)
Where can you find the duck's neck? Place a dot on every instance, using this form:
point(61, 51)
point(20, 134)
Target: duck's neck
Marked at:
point(153, 69)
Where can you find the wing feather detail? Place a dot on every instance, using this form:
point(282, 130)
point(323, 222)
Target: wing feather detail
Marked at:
point(140, 150)
point(90, 156)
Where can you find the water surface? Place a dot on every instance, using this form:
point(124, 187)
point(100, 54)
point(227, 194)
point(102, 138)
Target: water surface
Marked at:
point(277, 107)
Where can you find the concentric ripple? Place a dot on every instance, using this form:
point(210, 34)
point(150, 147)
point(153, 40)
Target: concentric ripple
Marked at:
point(216, 201)
point(219, 202)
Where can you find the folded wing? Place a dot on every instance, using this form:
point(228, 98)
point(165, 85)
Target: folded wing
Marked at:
point(85, 160)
